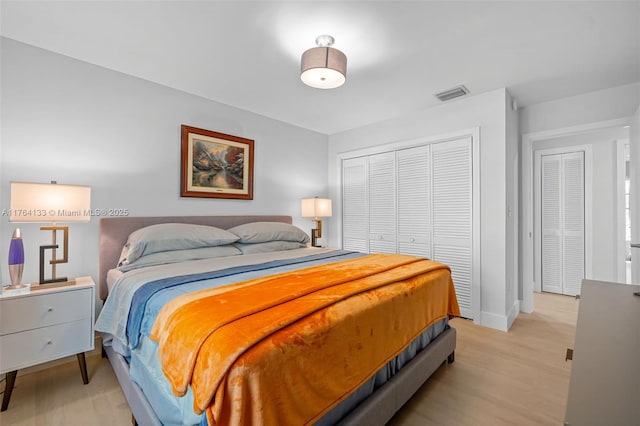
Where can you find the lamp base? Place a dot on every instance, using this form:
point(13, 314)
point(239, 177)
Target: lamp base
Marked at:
point(15, 289)
point(316, 233)
point(314, 238)
point(43, 286)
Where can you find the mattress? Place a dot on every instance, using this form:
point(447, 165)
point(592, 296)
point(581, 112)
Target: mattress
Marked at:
point(127, 319)
point(112, 276)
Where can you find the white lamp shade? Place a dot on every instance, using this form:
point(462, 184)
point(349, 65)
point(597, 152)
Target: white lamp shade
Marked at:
point(323, 68)
point(316, 207)
point(49, 202)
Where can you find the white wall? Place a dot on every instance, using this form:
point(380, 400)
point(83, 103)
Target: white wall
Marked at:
point(593, 107)
point(77, 123)
point(486, 111)
point(512, 173)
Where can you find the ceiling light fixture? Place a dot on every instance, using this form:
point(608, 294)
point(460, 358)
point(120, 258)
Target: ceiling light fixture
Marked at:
point(323, 67)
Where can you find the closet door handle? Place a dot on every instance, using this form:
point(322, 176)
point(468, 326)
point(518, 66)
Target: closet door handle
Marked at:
point(635, 245)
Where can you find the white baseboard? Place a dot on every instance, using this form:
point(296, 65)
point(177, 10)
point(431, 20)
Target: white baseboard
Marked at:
point(500, 322)
point(491, 320)
point(513, 313)
point(526, 305)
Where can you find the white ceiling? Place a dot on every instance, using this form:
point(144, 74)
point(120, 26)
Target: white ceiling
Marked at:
point(247, 54)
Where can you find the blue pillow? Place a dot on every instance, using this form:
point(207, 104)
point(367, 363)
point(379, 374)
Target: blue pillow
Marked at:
point(175, 256)
point(172, 236)
point(262, 232)
point(268, 246)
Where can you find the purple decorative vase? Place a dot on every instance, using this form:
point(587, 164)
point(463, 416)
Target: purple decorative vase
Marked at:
point(16, 261)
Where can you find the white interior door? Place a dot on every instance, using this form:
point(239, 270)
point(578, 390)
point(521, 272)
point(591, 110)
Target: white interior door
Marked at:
point(422, 199)
point(355, 209)
point(551, 214)
point(414, 201)
point(562, 222)
point(382, 203)
point(573, 243)
point(452, 187)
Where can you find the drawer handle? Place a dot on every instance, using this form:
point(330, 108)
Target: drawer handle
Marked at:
point(49, 342)
point(413, 240)
point(50, 309)
point(381, 238)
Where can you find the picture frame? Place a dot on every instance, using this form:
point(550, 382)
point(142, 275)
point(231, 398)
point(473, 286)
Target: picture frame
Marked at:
point(215, 165)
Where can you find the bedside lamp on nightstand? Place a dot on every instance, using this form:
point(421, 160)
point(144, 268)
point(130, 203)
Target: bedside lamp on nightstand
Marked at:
point(316, 208)
point(51, 202)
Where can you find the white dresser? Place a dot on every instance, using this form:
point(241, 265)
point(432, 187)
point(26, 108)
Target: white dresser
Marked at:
point(605, 374)
point(44, 325)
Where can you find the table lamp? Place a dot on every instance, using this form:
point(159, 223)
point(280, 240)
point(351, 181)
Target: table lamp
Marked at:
point(316, 208)
point(54, 203)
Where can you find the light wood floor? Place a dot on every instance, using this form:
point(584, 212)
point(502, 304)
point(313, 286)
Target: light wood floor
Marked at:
point(515, 378)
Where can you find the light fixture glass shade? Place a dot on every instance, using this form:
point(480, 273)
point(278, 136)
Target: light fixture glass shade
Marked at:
point(316, 207)
point(49, 202)
point(323, 68)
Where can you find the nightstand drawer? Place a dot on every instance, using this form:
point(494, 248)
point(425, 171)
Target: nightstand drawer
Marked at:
point(31, 347)
point(43, 310)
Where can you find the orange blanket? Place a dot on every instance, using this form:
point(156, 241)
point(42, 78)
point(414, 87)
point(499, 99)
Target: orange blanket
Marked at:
point(285, 349)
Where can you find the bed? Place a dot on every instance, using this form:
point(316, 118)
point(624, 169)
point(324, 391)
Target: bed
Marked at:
point(366, 398)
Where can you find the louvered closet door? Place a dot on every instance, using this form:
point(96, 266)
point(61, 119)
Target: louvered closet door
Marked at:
point(414, 201)
point(382, 203)
point(562, 204)
point(551, 223)
point(355, 209)
point(452, 214)
point(573, 221)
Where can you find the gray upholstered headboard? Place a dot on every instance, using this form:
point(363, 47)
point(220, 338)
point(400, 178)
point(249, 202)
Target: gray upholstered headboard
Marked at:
point(114, 232)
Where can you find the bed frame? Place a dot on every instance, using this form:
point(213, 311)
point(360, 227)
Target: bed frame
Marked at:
point(377, 409)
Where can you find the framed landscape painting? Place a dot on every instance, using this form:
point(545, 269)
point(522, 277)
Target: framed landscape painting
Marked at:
point(216, 165)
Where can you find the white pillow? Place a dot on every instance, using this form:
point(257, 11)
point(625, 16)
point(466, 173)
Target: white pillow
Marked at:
point(262, 232)
point(172, 236)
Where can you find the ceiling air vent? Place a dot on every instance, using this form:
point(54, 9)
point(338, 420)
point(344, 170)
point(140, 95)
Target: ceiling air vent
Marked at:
point(452, 93)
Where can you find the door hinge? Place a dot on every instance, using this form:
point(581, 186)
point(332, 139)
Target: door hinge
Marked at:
point(569, 355)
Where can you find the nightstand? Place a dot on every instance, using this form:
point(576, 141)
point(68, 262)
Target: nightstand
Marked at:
point(44, 325)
